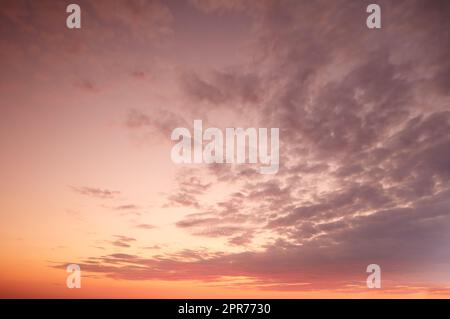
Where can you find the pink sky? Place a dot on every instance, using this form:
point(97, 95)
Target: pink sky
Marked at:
point(86, 175)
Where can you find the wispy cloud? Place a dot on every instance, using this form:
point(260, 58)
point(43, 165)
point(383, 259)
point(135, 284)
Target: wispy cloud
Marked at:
point(95, 192)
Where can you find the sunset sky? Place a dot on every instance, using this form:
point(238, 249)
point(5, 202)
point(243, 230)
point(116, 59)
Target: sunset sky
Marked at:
point(86, 175)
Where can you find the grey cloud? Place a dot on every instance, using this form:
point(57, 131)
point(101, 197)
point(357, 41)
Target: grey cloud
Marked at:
point(224, 86)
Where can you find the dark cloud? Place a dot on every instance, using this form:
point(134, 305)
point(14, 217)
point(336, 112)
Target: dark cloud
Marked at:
point(219, 6)
point(241, 240)
point(161, 125)
point(145, 226)
point(35, 31)
point(222, 231)
point(365, 160)
point(127, 207)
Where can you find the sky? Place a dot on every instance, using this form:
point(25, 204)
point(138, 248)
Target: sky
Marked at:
point(86, 175)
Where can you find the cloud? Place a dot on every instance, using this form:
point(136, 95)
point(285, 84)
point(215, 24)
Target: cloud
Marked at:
point(127, 207)
point(210, 6)
point(122, 241)
point(242, 239)
point(88, 86)
point(139, 75)
point(152, 247)
point(145, 226)
point(365, 139)
point(223, 87)
point(363, 157)
point(400, 239)
point(189, 186)
point(161, 126)
point(95, 192)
